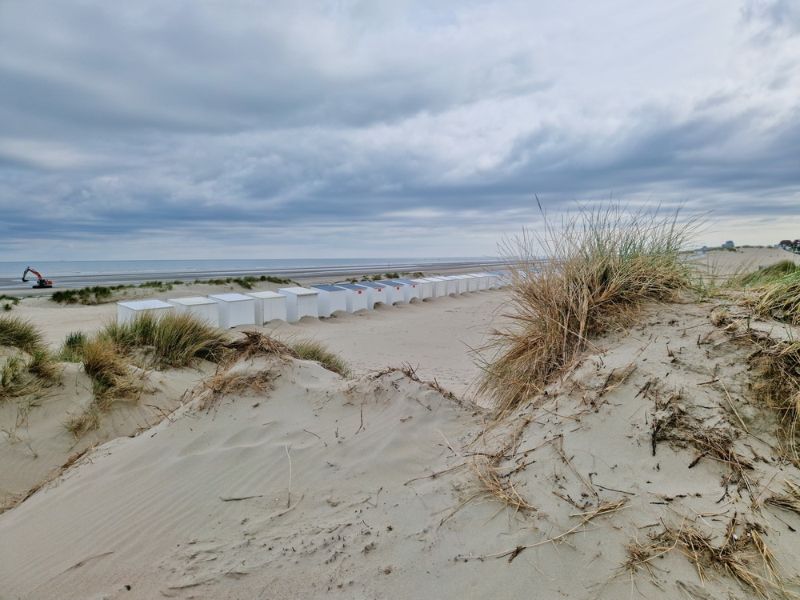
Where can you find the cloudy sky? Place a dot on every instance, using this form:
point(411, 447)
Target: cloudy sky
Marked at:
point(246, 128)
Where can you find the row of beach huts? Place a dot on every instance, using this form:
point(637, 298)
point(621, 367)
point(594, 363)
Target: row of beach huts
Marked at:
point(290, 304)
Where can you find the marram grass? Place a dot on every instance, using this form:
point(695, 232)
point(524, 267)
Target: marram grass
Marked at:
point(601, 265)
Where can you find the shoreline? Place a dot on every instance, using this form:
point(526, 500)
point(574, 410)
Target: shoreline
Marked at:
point(317, 274)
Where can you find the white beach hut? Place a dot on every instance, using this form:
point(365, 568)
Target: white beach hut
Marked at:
point(473, 282)
point(300, 302)
point(270, 306)
point(439, 286)
point(330, 299)
point(128, 311)
point(199, 307)
point(466, 283)
point(377, 293)
point(235, 309)
point(411, 289)
point(425, 288)
point(359, 297)
point(394, 291)
point(454, 285)
point(490, 280)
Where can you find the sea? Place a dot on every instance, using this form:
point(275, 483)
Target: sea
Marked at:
point(76, 273)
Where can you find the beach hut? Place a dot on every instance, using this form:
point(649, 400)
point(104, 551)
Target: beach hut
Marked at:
point(270, 306)
point(300, 302)
point(359, 297)
point(128, 311)
point(235, 309)
point(394, 291)
point(465, 283)
point(377, 293)
point(439, 286)
point(330, 299)
point(411, 289)
point(425, 288)
point(473, 282)
point(491, 280)
point(455, 285)
point(199, 307)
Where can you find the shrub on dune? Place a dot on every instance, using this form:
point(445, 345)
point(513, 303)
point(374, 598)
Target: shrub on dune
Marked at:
point(23, 375)
point(601, 266)
point(19, 333)
point(173, 340)
point(312, 350)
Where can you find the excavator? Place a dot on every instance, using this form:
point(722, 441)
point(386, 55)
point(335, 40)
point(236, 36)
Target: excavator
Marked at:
point(41, 282)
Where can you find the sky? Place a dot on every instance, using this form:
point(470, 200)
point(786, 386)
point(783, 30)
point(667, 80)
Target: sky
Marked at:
point(285, 129)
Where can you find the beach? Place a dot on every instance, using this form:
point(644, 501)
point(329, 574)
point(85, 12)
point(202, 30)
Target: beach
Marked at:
point(273, 477)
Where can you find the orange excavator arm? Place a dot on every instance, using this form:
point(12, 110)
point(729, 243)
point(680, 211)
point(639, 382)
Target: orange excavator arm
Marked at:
point(41, 282)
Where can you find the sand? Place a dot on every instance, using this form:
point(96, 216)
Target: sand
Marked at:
point(312, 486)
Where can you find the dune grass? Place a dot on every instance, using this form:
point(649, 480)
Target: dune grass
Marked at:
point(781, 299)
point(173, 340)
point(8, 302)
point(603, 264)
point(765, 276)
point(72, 347)
point(313, 350)
point(30, 372)
point(776, 384)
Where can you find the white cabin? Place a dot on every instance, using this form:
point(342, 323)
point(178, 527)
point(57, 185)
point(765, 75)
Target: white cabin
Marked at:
point(359, 297)
point(270, 306)
point(235, 309)
point(130, 310)
point(300, 302)
point(200, 307)
point(330, 299)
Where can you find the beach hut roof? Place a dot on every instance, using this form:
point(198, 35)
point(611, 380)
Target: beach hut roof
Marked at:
point(266, 294)
point(299, 291)
point(145, 304)
point(230, 297)
point(352, 286)
point(406, 281)
point(327, 287)
point(192, 301)
point(372, 284)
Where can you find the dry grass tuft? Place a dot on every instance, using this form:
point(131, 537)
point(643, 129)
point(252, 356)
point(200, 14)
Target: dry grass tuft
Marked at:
point(80, 424)
point(110, 372)
point(499, 485)
point(601, 267)
point(253, 343)
point(776, 384)
point(789, 499)
point(671, 423)
point(19, 333)
point(781, 299)
point(226, 382)
point(741, 554)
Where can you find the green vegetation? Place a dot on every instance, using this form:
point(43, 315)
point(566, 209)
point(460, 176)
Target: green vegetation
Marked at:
point(31, 370)
point(312, 350)
point(605, 263)
point(8, 302)
point(245, 282)
point(173, 340)
point(72, 348)
point(765, 276)
point(100, 294)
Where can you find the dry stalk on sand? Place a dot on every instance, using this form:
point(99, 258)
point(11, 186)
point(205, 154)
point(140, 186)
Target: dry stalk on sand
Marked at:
point(672, 423)
point(497, 484)
point(602, 509)
point(789, 499)
point(742, 554)
point(227, 382)
point(411, 372)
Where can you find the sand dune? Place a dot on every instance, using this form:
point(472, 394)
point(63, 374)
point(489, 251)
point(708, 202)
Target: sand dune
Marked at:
point(283, 480)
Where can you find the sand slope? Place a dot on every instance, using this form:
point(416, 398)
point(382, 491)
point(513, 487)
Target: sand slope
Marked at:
point(204, 506)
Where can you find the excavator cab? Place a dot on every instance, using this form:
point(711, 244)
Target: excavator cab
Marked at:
point(41, 282)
